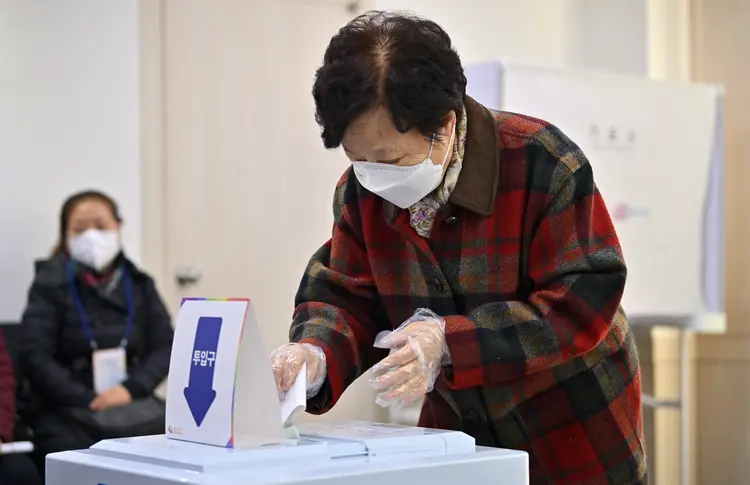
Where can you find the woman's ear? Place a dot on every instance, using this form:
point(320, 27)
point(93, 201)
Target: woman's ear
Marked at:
point(449, 122)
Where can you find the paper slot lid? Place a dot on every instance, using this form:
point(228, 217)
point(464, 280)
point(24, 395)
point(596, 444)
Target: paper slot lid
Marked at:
point(388, 439)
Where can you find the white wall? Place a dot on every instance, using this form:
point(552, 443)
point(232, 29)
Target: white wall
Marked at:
point(69, 120)
point(669, 39)
point(69, 94)
point(529, 30)
point(602, 34)
point(609, 34)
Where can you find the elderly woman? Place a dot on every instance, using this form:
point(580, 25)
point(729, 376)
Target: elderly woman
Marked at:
point(481, 238)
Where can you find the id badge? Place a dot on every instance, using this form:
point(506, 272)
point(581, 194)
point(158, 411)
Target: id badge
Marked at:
point(110, 368)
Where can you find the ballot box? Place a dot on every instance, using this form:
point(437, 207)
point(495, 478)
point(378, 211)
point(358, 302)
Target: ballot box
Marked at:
point(341, 454)
point(225, 425)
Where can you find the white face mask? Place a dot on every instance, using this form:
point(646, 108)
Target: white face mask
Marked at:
point(94, 248)
point(402, 186)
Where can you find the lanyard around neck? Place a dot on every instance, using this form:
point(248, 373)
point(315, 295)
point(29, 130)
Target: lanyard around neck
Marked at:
point(127, 283)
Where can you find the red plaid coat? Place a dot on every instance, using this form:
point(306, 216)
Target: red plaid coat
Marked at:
point(525, 267)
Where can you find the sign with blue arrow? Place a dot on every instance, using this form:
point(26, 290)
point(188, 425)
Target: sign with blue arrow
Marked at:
point(200, 393)
point(229, 400)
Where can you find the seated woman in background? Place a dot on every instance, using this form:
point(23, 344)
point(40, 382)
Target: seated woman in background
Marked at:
point(15, 469)
point(96, 335)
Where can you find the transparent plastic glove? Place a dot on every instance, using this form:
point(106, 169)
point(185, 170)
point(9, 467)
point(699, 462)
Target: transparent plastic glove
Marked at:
point(287, 360)
point(418, 352)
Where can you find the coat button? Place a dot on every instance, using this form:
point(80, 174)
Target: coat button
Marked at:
point(451, 220)
point(472, 415)
point(438, 284)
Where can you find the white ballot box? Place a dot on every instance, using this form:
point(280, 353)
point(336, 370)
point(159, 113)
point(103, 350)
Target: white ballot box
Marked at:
point(225, 425)
point(346, 454)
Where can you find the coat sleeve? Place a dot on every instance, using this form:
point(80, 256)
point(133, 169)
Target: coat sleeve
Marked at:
point(7, 394)
point(578, 275)
point(159, 334)
point(40, 330)
point(337, 307)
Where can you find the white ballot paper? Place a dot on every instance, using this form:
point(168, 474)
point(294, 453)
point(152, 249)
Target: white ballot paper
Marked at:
point(294, 403)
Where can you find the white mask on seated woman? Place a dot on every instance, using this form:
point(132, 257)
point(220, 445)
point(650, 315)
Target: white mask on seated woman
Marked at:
point(95, 248)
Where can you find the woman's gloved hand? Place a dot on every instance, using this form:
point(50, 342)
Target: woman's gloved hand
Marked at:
point(418, 353)
point(287, 360)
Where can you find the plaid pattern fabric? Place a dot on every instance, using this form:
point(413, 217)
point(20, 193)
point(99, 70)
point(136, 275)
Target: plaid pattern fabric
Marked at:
point(525, 267)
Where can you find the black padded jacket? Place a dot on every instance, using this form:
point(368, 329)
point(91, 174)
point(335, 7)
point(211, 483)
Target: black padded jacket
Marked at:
point(55, 352)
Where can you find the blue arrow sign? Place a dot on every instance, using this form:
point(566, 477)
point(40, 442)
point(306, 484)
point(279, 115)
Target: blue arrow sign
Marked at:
point(200, 394)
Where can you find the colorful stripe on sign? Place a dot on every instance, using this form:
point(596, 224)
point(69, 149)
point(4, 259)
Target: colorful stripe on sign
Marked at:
point(184, 299)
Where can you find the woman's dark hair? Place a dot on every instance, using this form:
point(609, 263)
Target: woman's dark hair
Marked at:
point(398, 60)
point(70, 204)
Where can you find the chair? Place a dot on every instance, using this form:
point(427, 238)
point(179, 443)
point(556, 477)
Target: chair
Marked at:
point(12, 333)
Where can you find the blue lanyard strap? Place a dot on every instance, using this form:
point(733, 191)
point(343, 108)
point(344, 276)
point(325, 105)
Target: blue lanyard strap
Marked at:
point(128, 284)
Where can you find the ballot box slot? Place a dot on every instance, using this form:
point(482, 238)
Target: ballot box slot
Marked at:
point(339, 448)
